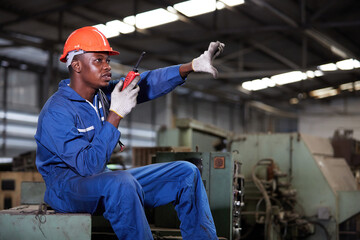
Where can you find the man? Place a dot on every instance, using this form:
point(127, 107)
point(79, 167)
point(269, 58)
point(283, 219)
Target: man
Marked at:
point(76, 136)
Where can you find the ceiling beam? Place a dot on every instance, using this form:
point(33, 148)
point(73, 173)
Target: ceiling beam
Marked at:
point(165, 3)
point(324, 40)
point(63, 7)
point(321, 11)
point(275, 55)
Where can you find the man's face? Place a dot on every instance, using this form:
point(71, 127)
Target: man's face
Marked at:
point(96, 71)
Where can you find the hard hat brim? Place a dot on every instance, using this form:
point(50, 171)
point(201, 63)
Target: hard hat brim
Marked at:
point(111, 53)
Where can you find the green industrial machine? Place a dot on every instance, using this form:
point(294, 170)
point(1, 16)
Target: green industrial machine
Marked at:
point(34, 220)
point(194, 134)
point(25, 222)
point(223, 183)
point(295, 188)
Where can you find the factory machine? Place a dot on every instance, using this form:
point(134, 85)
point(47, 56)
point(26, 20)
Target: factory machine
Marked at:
point(295, 188)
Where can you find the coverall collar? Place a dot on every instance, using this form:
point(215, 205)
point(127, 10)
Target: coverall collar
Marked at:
point(69, 92)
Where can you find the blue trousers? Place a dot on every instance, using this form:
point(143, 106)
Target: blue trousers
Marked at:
point(122, 196)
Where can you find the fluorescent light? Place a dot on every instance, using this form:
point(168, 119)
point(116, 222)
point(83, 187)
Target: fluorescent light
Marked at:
point(320, 91)
point(356, 63)
point(195, 7)
point(269, 82)
point(347, 86)
point(288, 77)
point(121, 27)
point(154, 18)
point(258, 85)
point(254, 85)
point(330, 93)
point(107, 31)
point(232, 3)
point(328, 67)
point(357, 85)
point(318, 73)
point(324, 92)
point(310, 74)
point(220, 5)
point(171, 9)
point(348, 64)
point(247, 85)
point(131, 20)
point(296, 76)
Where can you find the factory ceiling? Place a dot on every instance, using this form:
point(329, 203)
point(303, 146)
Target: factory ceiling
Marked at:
point(290, 48)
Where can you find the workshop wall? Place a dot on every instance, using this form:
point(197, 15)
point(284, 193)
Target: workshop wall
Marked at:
point(323, 119)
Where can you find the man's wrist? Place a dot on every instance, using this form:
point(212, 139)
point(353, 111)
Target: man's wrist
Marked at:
point(111, 110)
point(185, 69)
point(114, 118)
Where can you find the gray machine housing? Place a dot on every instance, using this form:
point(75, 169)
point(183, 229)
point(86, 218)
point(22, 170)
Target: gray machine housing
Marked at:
point(323, 187)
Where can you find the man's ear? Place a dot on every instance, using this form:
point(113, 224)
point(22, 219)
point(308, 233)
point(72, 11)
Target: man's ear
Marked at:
point(76, 65)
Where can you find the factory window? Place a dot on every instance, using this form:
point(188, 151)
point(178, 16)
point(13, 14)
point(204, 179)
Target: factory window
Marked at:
point(8, 184)
point(21, 90)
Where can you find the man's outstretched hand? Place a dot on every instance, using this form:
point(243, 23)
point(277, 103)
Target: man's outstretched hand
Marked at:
point(204, 63)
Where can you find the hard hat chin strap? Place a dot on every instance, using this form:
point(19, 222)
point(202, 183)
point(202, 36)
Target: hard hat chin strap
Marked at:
point(71, 55)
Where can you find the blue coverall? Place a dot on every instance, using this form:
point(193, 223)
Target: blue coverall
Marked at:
point(74, 144)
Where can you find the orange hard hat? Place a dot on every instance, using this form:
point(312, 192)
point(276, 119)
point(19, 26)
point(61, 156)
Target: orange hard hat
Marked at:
point(89, 39)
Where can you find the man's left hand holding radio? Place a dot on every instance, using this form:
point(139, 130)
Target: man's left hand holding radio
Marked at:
point(122, 102)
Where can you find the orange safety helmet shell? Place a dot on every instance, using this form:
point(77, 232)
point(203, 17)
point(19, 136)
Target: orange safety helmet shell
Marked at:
point(89, 39)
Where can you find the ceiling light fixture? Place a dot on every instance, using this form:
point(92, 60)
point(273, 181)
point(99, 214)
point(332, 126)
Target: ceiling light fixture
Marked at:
point(109, 32)
point(120, 26)
point(318, 73)
point(289, 77)
point(154, 18)
point(269, 82)
point(195, 7)
point(324, 92)
point(310, 74)
point(328, 67)
point(161, 16)
point(254, 85)
point(131, 20)
point(220, 5)
point(357, 85)
point(347, 86)
point(232, 3)
point(348, 64)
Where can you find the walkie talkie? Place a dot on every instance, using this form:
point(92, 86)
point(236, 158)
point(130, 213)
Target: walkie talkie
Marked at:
point(132, 74)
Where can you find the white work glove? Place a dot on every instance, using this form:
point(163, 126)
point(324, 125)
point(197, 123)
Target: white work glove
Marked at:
point(122, 102)
point(204, 62)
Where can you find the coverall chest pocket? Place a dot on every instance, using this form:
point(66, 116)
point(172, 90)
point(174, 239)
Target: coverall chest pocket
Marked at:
point(86, 129)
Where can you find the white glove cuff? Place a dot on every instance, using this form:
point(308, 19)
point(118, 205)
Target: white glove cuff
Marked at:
point(116, 113)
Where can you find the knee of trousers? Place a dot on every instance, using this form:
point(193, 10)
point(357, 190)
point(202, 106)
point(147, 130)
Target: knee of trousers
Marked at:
point(190, 171)
point(122, 183)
